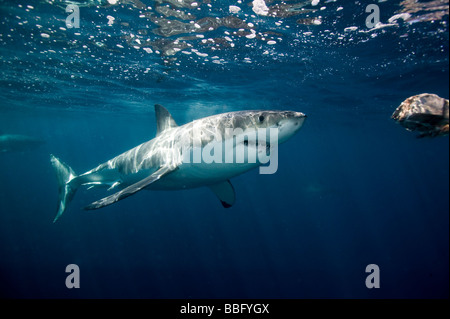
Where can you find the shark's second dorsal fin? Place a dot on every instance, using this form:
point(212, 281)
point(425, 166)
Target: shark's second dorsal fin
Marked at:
point(164, 120)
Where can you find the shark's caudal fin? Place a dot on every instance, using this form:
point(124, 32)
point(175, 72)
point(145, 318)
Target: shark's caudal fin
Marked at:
point(66, 189)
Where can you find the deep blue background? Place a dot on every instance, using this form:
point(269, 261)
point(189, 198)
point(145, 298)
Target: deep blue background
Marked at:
point(353, 188)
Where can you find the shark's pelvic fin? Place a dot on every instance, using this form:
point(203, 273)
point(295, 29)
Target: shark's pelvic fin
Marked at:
point(130, 190)
point(164, 119)
point(225, 192)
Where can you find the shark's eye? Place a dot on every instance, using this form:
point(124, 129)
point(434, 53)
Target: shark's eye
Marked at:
point(261, 118)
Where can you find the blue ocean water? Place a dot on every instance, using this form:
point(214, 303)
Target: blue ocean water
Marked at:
point(353, 188)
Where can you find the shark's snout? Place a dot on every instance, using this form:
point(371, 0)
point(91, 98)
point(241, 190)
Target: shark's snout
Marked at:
point(296, 119)
point(299, 118)
point(299, 115)
point(290, 125)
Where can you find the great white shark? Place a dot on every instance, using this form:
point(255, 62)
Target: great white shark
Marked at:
point(160, 164)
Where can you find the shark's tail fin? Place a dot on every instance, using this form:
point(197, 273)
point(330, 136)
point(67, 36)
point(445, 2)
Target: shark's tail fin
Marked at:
point(66, 189)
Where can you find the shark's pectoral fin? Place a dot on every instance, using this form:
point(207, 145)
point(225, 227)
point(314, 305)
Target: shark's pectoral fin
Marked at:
point(130, 190)
point(225, 192)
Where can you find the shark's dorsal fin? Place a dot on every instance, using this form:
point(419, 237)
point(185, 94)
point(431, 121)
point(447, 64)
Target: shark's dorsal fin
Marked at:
point(225, 192)
point(164, 120)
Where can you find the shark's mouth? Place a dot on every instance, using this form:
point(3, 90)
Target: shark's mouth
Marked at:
point(256, 144)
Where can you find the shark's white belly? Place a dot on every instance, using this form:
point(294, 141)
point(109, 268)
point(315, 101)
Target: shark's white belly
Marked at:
point(200, 174)
point(189, 173)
